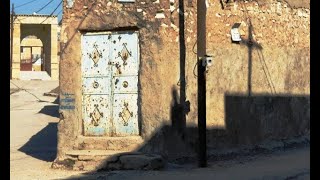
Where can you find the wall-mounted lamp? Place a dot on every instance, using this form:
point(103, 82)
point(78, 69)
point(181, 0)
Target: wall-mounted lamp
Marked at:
point(235, 34)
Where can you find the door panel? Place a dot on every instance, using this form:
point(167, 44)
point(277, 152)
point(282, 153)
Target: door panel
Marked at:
point(124, 54)
point(96, 85)
point(125, 84)
point(95, 55)
point(96, 112)
point(125, 114)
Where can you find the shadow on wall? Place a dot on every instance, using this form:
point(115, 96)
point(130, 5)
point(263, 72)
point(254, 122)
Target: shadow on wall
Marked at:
point(176, 139)
point(43, 145)
point(249, 121)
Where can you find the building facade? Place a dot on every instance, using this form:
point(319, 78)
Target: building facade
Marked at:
point(128, 76)
point(34, 45)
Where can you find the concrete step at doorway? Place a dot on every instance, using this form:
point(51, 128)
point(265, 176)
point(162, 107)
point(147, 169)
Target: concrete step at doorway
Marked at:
point(93, 153)
point(89, 160)
point(94, 160)
point(34, 75)
point(128, 143)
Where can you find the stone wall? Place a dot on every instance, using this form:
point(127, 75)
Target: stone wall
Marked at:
point(280, 66)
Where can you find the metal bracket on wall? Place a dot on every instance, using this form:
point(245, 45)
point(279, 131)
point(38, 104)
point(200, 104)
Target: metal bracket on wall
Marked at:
point(70, 3)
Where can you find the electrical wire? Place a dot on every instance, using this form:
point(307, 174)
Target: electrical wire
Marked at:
point(194, 47)
point(194, 68)
point(39, 9)
point(260, 54)
point(44, 6)
point(266, 72)
point(25, 4)
point(52, 12)
point(59, 12)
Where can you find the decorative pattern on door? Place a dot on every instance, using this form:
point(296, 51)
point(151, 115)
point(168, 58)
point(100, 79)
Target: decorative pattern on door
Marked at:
point(110, 64)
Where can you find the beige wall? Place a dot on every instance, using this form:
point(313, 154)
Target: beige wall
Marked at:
point(16, 52)
point(46, 32)
point(279, 69)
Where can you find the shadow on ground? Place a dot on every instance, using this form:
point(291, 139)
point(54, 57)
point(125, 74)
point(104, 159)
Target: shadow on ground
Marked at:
point(50, 110)
point(14, 90)
point(43, 145)
point(56, 101)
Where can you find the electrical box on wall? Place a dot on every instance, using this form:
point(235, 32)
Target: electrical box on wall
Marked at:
point(207, 60)
point(235, 34)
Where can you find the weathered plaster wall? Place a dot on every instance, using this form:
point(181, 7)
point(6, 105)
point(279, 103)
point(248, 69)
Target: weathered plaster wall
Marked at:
point(280, 68)
point(283, 34)
point(280, 73)
point(159, 63)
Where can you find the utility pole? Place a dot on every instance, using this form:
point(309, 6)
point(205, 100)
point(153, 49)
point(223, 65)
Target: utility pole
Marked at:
point(201, 52)
point(250, 46)
point(11, 40)
point(182, 47)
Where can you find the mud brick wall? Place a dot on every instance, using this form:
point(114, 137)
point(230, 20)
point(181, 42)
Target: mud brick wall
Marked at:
point(280, 67)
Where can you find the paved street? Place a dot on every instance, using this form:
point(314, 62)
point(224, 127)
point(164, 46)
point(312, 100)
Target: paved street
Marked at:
point(33, 128)
point(290, 165)
point(33, 139)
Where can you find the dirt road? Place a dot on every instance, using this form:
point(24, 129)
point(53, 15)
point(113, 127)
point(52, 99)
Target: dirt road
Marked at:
point(33, 128)
point(33, 140)
point(288, 165)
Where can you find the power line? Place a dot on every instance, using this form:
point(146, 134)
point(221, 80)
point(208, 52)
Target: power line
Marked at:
point(52, 12)
point(59, 12)
point(25, 3)
point(56, 8)
point(44, 6)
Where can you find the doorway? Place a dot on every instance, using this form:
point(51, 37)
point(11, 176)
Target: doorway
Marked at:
point(110, 66)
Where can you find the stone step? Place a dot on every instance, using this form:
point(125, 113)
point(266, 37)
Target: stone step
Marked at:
point(92, 160)
point(128, 143)
point(94, 152)
point(86, 155)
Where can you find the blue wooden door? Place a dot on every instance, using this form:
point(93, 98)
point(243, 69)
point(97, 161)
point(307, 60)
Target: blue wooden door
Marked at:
point(110, 64)
point(125, 59)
